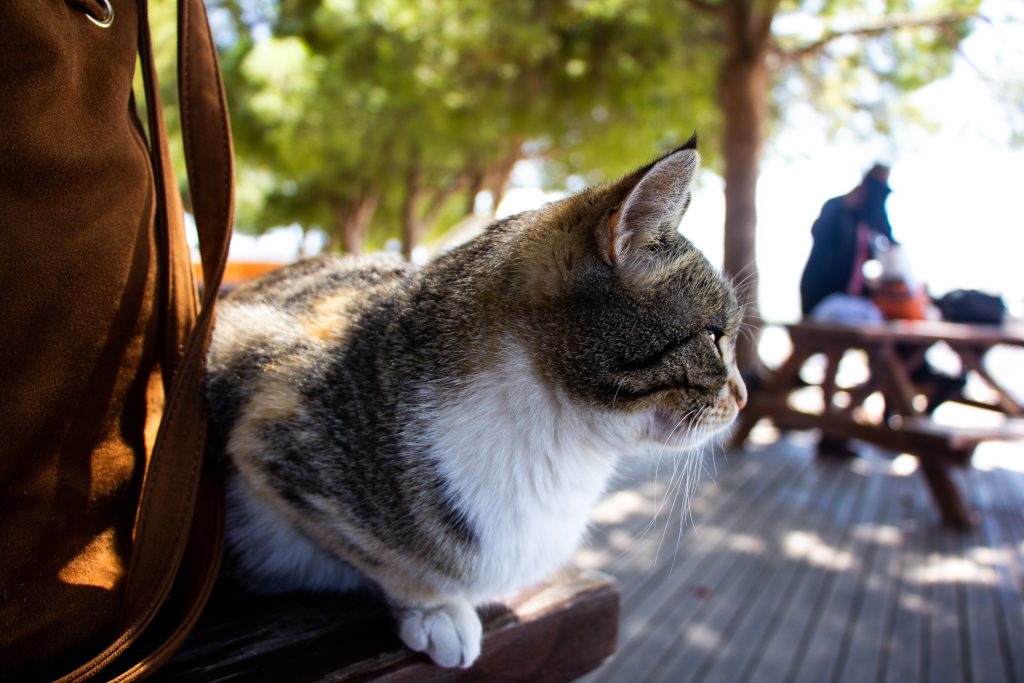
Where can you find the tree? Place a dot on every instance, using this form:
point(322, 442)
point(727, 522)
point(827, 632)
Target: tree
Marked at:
point(753, 59)
point(385, 119)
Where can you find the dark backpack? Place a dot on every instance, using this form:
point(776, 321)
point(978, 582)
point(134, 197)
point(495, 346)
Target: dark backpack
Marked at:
point(972, 306)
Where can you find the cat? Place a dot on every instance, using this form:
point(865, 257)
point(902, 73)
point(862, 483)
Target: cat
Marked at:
point(442, 433)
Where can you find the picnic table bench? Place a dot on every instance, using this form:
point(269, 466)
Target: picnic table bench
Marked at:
point(555, 632)
point(893, 350)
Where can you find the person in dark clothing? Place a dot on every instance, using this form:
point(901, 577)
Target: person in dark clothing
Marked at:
point(850, 231)
point(846, 234)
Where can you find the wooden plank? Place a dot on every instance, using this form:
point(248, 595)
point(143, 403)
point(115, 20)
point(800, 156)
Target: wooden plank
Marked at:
point(903, 653)
point(675, 598)
point(761, 610)
point(753, 615)
point(1008, 429)
point(708, 631)
point(871, 616)
point(980, 630)
point(555, 633)
point(1010, 485)
point(935, 443)
point(946, 662)
point(718, 589)
point(910, 332)
point(782, 651)
point(642, 527)
point(826, 644)
point(644, 586)
point(1005, 539)
point(647, 579)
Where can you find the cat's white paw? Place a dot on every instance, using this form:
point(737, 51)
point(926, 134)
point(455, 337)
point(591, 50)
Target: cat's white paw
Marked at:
point(450, 634)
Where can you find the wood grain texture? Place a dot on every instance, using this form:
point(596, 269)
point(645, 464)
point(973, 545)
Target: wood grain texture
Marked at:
point(556, 632)
point(798, 568)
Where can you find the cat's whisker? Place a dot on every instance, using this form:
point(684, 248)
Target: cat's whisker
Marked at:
point(742, 281)
point(686, 511)
point(680, 484)
point(659, 504)
point(652, 524)
point(700, 426)
point(745, 269)
point(618, 388)
point(694, 458)
point(687, 483)
point(675, 462)
point(675, 485)
point(747, 315)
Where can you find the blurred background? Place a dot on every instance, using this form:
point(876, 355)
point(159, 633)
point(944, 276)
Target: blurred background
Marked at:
point(407, 126)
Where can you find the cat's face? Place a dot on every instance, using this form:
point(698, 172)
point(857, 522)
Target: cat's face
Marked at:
point(641, 324)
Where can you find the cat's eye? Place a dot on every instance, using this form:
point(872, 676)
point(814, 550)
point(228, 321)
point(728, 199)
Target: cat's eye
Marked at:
point(714, 334)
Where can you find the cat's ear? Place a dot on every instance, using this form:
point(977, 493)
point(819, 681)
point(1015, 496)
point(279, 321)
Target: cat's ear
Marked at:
point(653, 206)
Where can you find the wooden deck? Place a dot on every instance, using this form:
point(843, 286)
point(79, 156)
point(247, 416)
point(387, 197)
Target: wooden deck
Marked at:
point(793, 569)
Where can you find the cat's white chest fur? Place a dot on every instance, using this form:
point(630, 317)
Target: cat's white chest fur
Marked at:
point(526, 467)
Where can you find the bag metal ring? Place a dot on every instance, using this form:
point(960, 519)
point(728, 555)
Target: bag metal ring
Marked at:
point(106, 19)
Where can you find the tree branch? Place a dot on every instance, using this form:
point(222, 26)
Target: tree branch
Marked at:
point(896, 24)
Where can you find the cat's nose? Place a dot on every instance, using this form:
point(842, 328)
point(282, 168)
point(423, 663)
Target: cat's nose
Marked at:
point(739, 391)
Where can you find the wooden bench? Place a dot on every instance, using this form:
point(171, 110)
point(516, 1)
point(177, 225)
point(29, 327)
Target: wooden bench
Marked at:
point(556, 632)
point(894, 351)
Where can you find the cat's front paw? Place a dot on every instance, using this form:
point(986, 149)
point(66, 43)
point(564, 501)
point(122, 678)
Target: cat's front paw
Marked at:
point(450, 633)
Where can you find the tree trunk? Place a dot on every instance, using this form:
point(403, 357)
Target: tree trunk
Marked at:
point(412, 227)
point(351, 220)
point(743, 92)
point(499, 175)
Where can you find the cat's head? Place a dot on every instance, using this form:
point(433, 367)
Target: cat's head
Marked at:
point(632, 317)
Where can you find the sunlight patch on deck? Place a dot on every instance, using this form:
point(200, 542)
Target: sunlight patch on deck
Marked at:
point(620, 506)
point(904, 465)
point(879, 534)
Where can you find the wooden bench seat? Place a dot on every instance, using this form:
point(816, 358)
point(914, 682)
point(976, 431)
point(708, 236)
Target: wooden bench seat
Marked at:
point(556, 632)
point(963, 437)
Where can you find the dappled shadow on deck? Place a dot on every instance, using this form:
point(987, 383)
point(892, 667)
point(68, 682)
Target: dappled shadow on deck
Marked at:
point(794, 569)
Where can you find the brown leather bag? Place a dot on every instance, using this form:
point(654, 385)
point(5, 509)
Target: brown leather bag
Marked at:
point(110, 521)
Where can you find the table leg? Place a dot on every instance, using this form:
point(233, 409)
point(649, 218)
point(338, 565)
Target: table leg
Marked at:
point(833, 356)
point(775, 389)
point(890, 370)
point(748, 418)
point(947, 496)
point(972, 361)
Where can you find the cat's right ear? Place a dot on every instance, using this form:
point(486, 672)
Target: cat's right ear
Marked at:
point(652, 207)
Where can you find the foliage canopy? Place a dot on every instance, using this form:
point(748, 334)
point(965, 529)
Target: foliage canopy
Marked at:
point(373, 119)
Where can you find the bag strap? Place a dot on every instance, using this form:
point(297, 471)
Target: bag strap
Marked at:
point(170, 532)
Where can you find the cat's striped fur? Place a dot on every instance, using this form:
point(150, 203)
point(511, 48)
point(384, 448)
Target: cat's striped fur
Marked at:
point(445, 431)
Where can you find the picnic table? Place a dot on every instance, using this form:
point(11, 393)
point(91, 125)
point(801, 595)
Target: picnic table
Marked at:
point(894, 351)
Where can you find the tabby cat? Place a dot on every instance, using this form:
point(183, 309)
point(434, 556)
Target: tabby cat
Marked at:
point(442, 433)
